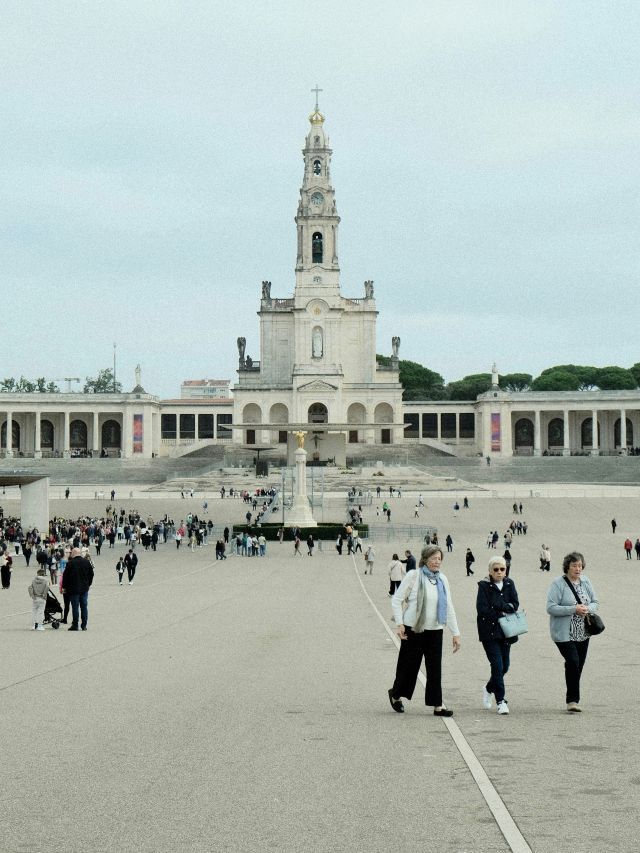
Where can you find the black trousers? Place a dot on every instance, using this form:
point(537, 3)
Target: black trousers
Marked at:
point(574, 654)
point(427, 645)
point(131, 571)
point(393, 586)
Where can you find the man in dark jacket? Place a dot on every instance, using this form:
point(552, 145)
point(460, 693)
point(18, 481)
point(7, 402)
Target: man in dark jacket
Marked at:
point(76, 580)
point(131, 561)
point(410, 561)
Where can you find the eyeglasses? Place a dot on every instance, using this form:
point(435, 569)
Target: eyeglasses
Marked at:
point(500, 569)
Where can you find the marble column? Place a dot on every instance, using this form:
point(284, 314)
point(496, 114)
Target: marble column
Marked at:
point(66, 447)
point(536, 433)
point(127, 433)
point(623, 430)
point(594, 433)
point(95, 441)
point(9, 446)
point(37, 450)
point(300, 513)
point(566, 442)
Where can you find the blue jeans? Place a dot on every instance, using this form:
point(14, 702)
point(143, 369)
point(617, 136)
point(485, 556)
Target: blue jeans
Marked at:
point(80, 606)
point(497, 652)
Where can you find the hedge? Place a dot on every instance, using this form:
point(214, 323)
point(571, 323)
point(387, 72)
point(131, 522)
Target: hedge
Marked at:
point(329, 532)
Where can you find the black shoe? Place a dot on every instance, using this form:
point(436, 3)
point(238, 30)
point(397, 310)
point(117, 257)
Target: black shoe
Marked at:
point(72, 628)
point(443, 712)
point(84, 629)
point(63, 621)
point(396, 704)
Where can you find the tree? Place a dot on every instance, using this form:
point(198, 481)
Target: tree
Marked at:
point(616, 379)
point(516, 381)
point(102, 384)
point(587, 376)
point(556, 380)
point(635, 369)
point(418, 382)
point(469, 387)
point(25, 386)
point(7, 386)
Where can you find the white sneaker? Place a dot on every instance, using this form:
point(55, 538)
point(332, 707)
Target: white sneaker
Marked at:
point(40, 628)
point(487, 698)
point(503, 708)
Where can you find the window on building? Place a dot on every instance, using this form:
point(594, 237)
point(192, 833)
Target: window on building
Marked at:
point(447, 425)
point(430, 425)
point(413, 430)
point(282, 436)
point(353, 436)
point(317, 167)
point(467, 425)
point(222, 428)
point(168, 427)
point(205, 426)
point(316, 248)
point(187, 426)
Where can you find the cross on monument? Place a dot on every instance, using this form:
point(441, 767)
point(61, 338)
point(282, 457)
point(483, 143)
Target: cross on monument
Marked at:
point(316, 90)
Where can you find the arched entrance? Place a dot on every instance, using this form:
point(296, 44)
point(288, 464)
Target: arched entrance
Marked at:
point(15, 435)
point(523, 435)
point(616, 433)
point(111, 435)
point(555, 434)
point(78, 436)
point(251, 414)
point(356, 414)
point(279, 414)
point(586, 434)
point(318, 414)
point(383, 414)
point(47, 435)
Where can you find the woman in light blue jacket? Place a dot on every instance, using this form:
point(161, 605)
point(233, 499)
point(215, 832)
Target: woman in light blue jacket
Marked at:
point(567, 621)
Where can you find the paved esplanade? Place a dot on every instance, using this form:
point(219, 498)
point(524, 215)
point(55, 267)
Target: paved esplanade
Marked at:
point(241, 705)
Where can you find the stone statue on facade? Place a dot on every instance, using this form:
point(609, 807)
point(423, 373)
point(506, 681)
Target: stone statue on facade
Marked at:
point(300, 438)
point(316, 343)
point(242, 343)
point(368, 290)
point(395, 346)
point(266, 290)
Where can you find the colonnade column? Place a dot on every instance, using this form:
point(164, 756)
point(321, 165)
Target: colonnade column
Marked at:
point(95, 443)
point(66, 447)
point(536, 433)
point(566, 441)
point(127, 434)
point(9, 443)
point(37, 450)
point(623, 430)
point(594, 433)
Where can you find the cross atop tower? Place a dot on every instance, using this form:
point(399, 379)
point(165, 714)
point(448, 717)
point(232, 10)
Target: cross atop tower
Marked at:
point(316, 90)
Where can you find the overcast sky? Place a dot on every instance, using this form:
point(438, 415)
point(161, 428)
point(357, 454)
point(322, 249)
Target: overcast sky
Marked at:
point(486, 166)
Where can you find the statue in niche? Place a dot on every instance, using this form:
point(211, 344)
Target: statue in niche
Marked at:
point(266, 290)
point(316, 343)
point(368, 290)
point(242, 343)
point(395, 346)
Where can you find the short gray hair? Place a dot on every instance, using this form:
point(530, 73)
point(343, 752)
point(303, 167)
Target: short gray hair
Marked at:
point(429, 551)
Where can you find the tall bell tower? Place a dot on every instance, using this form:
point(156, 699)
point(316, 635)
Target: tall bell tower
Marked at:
point(317, 219)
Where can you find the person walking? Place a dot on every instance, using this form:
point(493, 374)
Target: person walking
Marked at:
point(310, 544)
point(369, 558)
point(497, 596)
point(469, 560)
point(409, 561)
point(5, 570)
point(628, 547)
point(449, 543)
point(131, 562)
point(77, 580)
point(38, 589)
point(396, 573)
point(637, 547)
point(545, 558)
point(296, 546)
point(614, 524)
point(120, 570)
point(507, 560)
point(566, 621)
point(420, 625)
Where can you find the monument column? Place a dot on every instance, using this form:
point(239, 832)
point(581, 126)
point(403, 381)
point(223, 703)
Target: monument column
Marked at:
point(9, 442)
point(594, 433)
point(566, 441)
point(300, 513)
point(37, 450)
point(536, 433)
point(623, 430)
point(66, 448)
point(95, 443)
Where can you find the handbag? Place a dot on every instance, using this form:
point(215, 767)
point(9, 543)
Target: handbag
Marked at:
point(593, 624)
point(514, 624)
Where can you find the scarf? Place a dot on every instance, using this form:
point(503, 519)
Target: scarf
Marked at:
point(421, 604)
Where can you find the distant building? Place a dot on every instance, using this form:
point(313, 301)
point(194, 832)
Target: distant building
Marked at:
point(219, 389)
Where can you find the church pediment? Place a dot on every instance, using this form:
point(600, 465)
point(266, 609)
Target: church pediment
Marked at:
point(318, 386)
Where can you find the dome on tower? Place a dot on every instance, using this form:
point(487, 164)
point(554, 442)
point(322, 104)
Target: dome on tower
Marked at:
point(316, 117)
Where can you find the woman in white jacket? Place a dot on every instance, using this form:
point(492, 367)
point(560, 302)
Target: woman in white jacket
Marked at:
point(420, 623)
point(396, 573)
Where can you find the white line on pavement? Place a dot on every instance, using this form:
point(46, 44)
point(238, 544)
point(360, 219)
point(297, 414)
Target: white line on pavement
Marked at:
point(506, 824)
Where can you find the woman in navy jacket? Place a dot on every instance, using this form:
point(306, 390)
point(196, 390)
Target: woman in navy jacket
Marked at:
point(496, 596)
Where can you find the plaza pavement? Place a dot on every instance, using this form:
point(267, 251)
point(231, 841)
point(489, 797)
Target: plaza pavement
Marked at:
point(241, 705)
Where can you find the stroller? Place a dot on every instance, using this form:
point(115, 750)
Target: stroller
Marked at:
point(52, 608)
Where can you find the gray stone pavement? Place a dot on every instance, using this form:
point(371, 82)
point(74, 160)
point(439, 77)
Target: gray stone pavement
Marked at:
point(241, 705)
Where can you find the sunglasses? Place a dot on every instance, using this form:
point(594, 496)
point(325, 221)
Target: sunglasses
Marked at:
point(498, 570)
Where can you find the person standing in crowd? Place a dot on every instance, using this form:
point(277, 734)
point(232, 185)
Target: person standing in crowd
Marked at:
point(396, 573)
point(469, 560)
point(409, 561)
point(507, 560)
point(545, 558)
point(310, 544)
point(131, 561)
point(449, 542)
point(369, 557)
point(296, 546)
point(77, 580)
point(496, 597)
point(628, 547)
point(614, 524)
point(120, 570)
point(5, 570)
point(566, 621)
point(429, 609)
point(38, 589)
point(637, 547)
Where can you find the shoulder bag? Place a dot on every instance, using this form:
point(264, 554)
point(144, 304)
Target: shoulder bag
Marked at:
point(593, 624)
